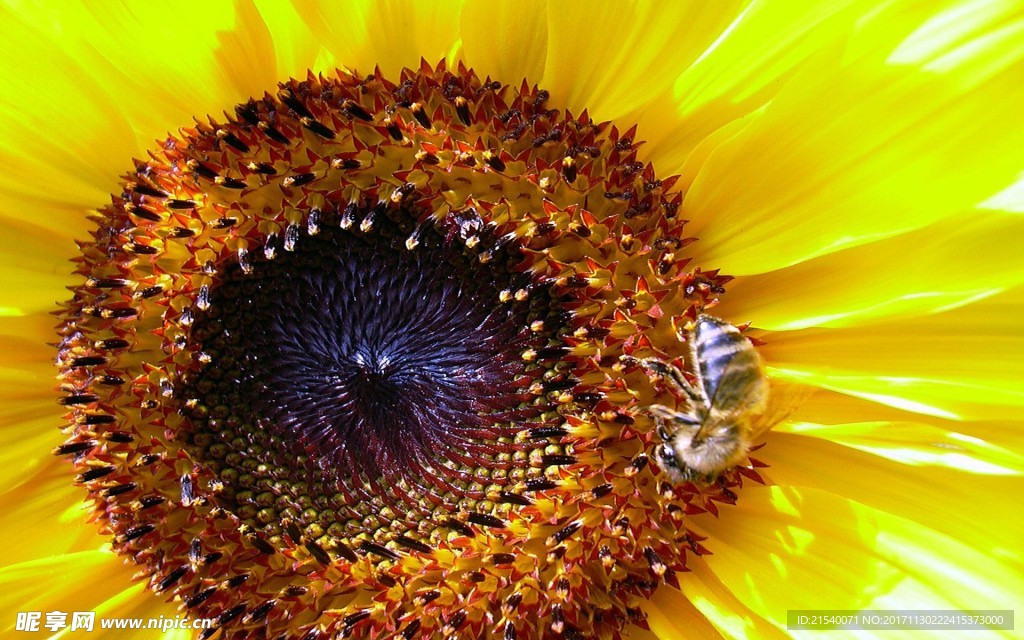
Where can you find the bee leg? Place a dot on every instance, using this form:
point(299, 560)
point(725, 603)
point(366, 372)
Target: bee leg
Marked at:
point(676, 377)
point(664, 413)
point(690, 475)
point(729, 493)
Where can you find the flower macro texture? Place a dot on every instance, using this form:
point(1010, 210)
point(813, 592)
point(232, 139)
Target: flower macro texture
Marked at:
point(351, 303)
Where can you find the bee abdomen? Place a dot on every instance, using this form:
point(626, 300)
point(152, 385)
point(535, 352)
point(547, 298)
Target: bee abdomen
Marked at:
point(725, 356)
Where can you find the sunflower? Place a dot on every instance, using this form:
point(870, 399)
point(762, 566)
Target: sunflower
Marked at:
point(459, 189)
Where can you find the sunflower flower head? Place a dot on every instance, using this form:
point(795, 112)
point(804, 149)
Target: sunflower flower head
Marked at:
point(364, 358)
point(393, 352)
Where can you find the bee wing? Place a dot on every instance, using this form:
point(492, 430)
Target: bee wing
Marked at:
point(783, 399)
point(737, 382)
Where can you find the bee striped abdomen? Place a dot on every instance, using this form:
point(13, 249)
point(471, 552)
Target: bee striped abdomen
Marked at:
point(729, 365)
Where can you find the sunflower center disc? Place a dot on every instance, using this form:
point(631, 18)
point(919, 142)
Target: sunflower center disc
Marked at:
point(363, 360)
point(358, 352)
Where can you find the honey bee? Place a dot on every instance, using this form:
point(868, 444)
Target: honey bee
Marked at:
point(724, 404)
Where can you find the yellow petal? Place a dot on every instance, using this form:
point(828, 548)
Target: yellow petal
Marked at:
point(32, 439)
point(393, 35)
point(84, 581)
point(54, 168)
point(738, 73)
point(955, 503)
point(853, 151)
point(37, 266)
point(703, 591)
point(784, 548)
point(960, 364)
point(1009, 199)
point(671, 614)
point(45, 515)
point(612, 57)
point(918, 444)
point(165, 61)
point(831, 410)
point(940, 267)
point(506, 40)
point(295, 47)
point(130, 74)
point(951, 26)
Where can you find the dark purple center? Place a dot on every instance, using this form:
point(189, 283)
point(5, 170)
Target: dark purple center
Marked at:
point(360, 353)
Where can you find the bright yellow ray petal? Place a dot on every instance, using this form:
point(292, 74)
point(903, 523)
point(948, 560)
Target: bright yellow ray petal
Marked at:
point(942, 266)
point(131, 72)
point(27, 377)
point(918, 444)
point(295, 47)
point(45, 515)
point(506, 40)
point(612, 57)
point(951, 27)
point(837, 409)
point(703, 591)
point(37, 265)
point(813, 543)
point(69, 583)
point(341, 28)
point(1009, 199)
point(829, 552)
point(742, 585)
point(31, 439)
point(743, 69)
point(54, 168)
point(958, 504)
point(168, 60)
point(960, 364)
point(393, 35)
point(853, 151)
point(671, 614)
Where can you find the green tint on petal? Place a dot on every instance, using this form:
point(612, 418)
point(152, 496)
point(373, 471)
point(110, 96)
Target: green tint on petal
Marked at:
point(852, 152)
point(703, 591)
point(917, 444)
point(966, 363)
point(950, 501)
point(737, 74)
point(945, 265)
point(801, 548)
